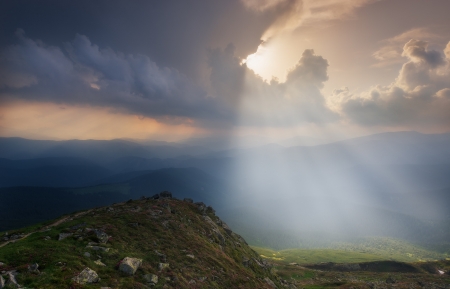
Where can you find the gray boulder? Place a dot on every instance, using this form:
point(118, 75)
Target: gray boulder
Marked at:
point(86, 276)
point(151, 278)
point(102, 237)
point(130, 265)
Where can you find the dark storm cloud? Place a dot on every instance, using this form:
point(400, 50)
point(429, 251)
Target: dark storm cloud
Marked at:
point(172, 33)
point(86, 74)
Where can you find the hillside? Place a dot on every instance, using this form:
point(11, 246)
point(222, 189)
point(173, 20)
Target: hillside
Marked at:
point(158, 241)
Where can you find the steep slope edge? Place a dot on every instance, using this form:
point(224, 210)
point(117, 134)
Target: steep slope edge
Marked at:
point(169, 244)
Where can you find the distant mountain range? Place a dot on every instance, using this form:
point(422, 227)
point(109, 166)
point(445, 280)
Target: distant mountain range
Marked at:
point(389, 184)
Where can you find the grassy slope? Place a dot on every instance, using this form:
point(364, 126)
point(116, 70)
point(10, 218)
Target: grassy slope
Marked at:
point(176, 234)
point(363, 250)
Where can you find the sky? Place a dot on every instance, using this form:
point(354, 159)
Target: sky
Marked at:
point(173, 70)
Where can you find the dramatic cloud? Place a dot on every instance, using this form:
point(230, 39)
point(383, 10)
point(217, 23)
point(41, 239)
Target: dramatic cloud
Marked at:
point(294, 13)
point(418, 97)
point(82, 73)
point(297, 100)
point(391, 50)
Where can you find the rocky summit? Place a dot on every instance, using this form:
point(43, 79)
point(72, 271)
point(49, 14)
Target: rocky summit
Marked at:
point(157, 242)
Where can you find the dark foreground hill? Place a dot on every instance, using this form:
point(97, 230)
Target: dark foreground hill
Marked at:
point(160, 243)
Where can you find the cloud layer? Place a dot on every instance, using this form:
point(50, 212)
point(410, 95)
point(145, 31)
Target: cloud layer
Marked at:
point(84, 74)
point(418, 97)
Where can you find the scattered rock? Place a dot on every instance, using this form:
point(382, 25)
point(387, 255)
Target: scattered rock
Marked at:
point(2, 282)
point(86, 276)
point(390, 280)
point(201, 207)
point(47, 238)
point(161, 256)
point(151, 278)
point(210, 209)
point(270, 282)
point(12, 279)
point(130, 265)
point(155, 197)
point(245, 261)
point(192, 281)
point(162, 266)
point(87, 254)
point(98, 248)
point(99, 262)
point(62, 236)
point(227, 229)
point(33, 268)
point(102, 237)
point(188, 200)
point(190, 256)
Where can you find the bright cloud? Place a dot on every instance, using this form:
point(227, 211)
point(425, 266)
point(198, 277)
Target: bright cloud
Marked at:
point(418, 97)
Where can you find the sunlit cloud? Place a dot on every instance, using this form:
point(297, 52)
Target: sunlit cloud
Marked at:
point(259, 103)
point(295, 13)
point(417, 98)
point(40, 120)
point(391, 51)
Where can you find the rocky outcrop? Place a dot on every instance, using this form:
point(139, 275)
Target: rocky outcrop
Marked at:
point(165, 195)
point(182, 244)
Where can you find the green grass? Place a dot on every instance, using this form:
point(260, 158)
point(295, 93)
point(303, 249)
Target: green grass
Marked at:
point(307, 256)
point(362, 250)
